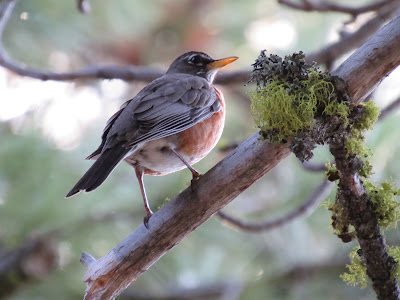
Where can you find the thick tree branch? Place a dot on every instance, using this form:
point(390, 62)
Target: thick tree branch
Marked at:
point(368, 59)
point(181, 216)
point(372, 62)
point(362, 216)
point(111, 274)
point(314, 199)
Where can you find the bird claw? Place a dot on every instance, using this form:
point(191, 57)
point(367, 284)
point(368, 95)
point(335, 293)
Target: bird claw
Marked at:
point(194, 180)
point(146, 220)
point(196, 175)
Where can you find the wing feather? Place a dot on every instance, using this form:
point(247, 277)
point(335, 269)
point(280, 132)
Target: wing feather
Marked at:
point(166, 106)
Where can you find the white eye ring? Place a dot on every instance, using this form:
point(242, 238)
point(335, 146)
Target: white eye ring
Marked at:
point(195, 59)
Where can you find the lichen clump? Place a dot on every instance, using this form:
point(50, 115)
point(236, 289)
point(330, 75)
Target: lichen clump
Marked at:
point(357, 274)
point(383, 198)
point(369, 117)
point(296, 103)
point(365, 120)
point(331, 173)
point(357, 270)
point(341, 224)
point(290, 95)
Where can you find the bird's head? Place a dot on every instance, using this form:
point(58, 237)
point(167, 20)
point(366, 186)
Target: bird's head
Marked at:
point(199, 64)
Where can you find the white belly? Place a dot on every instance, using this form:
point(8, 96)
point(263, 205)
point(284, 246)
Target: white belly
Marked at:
point(157, 157)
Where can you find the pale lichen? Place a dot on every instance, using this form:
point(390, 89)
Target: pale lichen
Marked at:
point(357, 271)
point(290, 95)
point(384, 200)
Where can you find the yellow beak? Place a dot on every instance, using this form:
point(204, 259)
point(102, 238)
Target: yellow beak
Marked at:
point(220, 63)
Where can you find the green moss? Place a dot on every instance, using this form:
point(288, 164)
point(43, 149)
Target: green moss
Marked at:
point(357, 270)
point(338, 108)
point(384, 200)
point(357, 274)
point(355, 146)
point(291, 95)
point(281, 110)
point(365, 170)
point(369, 117)
point(277, 115)
point(331, 173)
point(394, 252)
point(341, 225)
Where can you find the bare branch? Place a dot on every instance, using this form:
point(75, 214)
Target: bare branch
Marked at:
point(87, 259)
point(220, 290)
point(324, 6)
point(363, 70)
point(316, 197)
point(332, 265)
point(6, 8)
point(314, 167)
point(111, 274)
point(33, 260)
point(101, 72)
point(84, 6)
point(169, 225)
point(328, 54)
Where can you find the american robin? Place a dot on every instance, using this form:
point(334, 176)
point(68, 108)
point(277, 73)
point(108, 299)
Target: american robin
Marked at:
point(172, 123)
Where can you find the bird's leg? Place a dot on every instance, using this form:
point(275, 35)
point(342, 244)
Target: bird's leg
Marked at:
point(149, 213)
point(196, 175)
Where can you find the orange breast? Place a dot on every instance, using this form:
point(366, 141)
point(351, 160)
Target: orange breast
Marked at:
point(197, 141)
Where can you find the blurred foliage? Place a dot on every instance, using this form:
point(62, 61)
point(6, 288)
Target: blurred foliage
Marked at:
point(301, 260)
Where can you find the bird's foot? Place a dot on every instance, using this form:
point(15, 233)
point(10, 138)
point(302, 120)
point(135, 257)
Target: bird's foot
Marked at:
point(146, 219)
point(196, 176)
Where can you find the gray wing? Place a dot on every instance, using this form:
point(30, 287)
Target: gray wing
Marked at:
point(166, 106)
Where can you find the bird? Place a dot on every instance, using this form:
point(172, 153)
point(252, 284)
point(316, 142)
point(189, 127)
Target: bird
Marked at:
point(171, 124)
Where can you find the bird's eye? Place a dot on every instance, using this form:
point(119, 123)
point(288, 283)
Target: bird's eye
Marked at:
point(195, 59)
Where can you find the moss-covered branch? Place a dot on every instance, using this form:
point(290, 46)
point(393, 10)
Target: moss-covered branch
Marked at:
point(295, 102)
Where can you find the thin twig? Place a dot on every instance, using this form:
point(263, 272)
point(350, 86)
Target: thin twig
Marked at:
point(388, 109)
point(212, 290)
point(314, 167)
point(33, 260)
point(6, 8)
point(328, 54)
point(315, 198)
point(325, 56)
point(87, 259)
point(100, 72)
point(325, 6)
point(84, 6)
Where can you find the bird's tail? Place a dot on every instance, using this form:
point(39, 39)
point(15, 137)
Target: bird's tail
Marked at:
point(100, 170)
